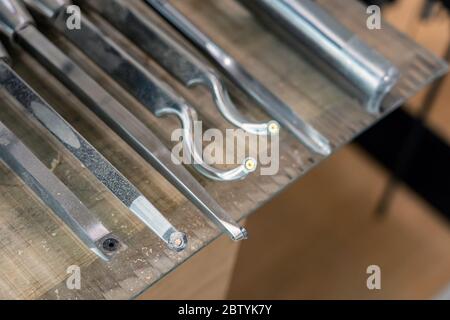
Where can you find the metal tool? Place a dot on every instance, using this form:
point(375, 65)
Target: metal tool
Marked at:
point(154, 94)
point(355, 66)
point(37, 109)
point(182, 64)
point(57, 196)
point(126, 125)
point(277, 109)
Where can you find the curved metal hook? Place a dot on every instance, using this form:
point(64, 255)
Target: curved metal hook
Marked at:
point(176, 59)
point(227, 107)
point(188, 116)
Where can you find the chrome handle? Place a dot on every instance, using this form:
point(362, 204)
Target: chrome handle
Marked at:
point(188, 116)
point(228, 109)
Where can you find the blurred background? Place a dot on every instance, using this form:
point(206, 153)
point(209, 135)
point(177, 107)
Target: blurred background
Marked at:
point(384, 200)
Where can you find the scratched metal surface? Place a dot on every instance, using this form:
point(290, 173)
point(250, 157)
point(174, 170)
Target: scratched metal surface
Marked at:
point(36, 248)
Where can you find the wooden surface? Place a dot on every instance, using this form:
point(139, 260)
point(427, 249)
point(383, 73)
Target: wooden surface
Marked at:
point(37, 249)
point(205, 276)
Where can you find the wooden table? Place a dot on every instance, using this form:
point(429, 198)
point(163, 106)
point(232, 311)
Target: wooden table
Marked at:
point(36, 248)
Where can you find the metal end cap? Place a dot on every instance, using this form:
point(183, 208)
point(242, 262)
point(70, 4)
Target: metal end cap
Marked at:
point(178, 241)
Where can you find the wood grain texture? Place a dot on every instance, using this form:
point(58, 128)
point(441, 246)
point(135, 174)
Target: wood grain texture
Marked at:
point(37, 249)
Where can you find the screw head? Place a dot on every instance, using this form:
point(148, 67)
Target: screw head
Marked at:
point(274, 127)
point(178, 241)
point(250, 164)
point(111, 244)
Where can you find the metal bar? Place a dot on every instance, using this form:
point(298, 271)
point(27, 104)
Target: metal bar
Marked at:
point(277, 109)
point(104, 171)
point(56, 195)
point(355, 66)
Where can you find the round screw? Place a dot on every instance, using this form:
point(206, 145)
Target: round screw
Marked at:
point(178, 241)
point(111, 244)
point(250, 164)
point(274, 127)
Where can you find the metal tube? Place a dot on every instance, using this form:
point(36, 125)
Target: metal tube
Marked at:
point(355, 66)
